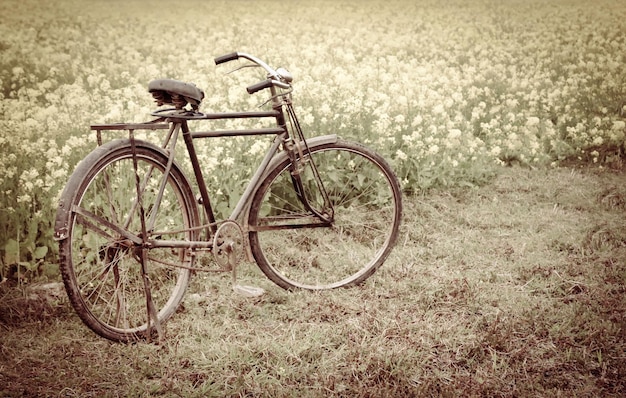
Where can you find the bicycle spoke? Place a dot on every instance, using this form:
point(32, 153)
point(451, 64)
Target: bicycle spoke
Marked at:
point(84, 214)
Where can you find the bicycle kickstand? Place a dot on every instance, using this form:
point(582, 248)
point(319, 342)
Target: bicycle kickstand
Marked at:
point(246, 291)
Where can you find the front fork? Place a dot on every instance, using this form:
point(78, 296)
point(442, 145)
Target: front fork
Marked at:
point(300, 156)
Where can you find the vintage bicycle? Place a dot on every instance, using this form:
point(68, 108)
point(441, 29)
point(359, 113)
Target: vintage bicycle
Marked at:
point(318, 213)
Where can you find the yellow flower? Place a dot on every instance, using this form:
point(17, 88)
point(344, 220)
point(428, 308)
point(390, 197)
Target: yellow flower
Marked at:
point(619, 124)
point(401, 155)
point(532, 121)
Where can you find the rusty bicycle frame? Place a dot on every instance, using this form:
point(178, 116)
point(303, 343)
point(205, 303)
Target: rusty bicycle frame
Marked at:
point(122, 202)
point(176, 122)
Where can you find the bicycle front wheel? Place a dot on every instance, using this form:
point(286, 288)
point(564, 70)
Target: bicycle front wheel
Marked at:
point(101, 254)
point(296, 249)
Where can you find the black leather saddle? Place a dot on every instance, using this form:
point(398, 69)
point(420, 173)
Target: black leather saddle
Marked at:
point(177, 93)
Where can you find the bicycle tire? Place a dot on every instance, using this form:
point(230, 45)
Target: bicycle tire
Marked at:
point(101, 271)
point(367, 203)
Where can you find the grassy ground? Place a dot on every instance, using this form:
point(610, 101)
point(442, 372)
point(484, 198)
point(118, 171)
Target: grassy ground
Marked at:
point(516, 288)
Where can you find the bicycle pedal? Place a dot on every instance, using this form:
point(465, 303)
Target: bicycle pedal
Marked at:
point(248, 291)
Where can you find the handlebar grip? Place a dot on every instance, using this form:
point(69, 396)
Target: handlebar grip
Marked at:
point(226, 58)
point(260, 86)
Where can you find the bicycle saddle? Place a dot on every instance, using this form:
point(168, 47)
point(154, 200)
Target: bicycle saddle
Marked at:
point(177, 93)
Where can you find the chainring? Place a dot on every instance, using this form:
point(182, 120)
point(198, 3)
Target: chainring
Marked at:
point(228, 245)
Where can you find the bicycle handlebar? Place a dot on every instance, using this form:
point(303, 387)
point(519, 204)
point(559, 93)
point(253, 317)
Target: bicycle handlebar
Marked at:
point(260, 86)
point(226, 58)
point(275, 78)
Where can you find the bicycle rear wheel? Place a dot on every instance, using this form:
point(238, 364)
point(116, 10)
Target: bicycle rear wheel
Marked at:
point(295, 249)
point(100, 264)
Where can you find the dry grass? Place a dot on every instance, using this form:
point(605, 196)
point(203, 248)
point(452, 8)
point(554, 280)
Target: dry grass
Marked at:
point(516, 288)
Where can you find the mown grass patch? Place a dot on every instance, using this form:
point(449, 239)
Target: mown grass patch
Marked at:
point(516, 288)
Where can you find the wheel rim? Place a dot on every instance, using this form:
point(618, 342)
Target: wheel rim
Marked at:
point(367, 213)
point(106, 267)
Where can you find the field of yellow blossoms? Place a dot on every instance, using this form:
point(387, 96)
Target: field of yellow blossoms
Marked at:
point(446, 90)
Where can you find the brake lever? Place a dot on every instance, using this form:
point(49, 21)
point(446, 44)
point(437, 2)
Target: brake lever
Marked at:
point(284, 93)
point(242, 67)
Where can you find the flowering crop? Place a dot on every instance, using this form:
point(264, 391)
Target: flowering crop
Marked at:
point(445, 90)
